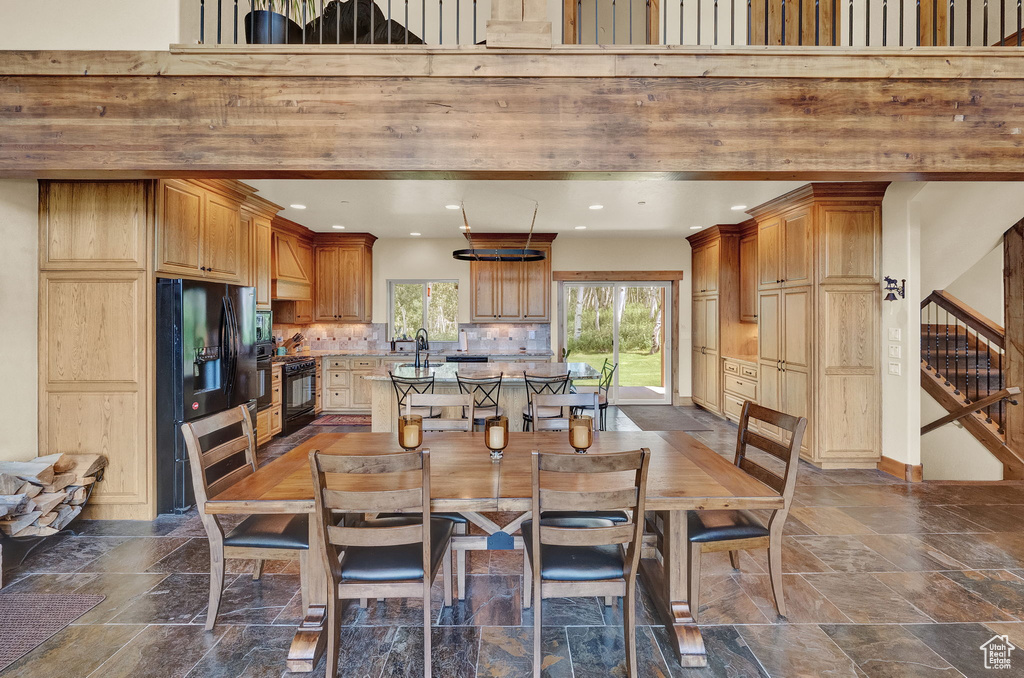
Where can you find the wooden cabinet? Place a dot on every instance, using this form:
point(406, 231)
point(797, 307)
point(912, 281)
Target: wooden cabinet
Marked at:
point(818, 316)
point(269, 421)
point(511, 291)
point(345, 390)
point(748, 277)
point(739, 384)
point(200, 233)
point(260, 239)
point(344, 286)
point(292, 272)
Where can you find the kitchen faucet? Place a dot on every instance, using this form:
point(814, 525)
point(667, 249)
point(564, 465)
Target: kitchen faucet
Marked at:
point(422, 343)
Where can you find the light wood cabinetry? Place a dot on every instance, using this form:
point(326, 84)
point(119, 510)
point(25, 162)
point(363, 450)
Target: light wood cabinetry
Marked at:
point(717, 330)
point(97, 333)
point(345, 390)
point(511, 291)
point(344, 278)
point(269, 421)
point(748, 274)
point(199, 232)
point(260, 239)
point(818, 314)
point(739, 384)
point(294, 273)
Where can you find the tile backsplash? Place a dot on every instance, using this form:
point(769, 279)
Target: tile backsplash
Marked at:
point(491, 338)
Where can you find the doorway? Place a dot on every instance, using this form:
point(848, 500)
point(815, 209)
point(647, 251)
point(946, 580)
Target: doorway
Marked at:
point(626, 324)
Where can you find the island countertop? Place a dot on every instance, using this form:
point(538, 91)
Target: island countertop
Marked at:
point(513, 372)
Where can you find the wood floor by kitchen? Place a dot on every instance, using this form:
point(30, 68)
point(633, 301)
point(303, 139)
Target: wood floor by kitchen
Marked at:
point(884, 578)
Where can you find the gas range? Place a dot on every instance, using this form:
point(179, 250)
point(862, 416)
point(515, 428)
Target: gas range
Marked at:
point(295, 363)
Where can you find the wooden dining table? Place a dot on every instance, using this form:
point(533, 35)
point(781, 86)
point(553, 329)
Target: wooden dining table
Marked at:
point(684, 475)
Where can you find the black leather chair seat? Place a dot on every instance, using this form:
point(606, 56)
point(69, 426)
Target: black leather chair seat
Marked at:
point(576, 563)
point(395, 563)
point(614, 516)
point(271, 532)
point(454, 517)
point(708, 526)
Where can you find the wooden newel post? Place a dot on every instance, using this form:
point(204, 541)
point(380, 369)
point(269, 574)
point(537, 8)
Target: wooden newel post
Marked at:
point(519, 23)
point(1013, 320)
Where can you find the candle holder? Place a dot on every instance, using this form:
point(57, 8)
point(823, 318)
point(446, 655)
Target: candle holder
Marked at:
point(410, 431)
point(496, 436)
point(581, 433)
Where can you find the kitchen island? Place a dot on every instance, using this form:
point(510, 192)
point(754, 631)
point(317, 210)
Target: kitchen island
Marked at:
point(513, 399)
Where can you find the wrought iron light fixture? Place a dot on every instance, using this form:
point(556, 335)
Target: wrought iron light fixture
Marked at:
point(892, 289)
point(474, 253)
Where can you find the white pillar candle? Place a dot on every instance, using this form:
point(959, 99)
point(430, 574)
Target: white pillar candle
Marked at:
point(496, 437)
point(412, 435)
point(578, 435)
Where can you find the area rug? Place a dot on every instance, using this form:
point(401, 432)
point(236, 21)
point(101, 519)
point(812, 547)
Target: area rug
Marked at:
point(342, 420)
point(663, 418)
point(27, 620)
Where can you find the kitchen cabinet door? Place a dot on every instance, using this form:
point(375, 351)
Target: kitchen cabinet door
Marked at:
point(769, 385)
point(796, 249)
point(485, 283)
point(712, 381)
point(325, 289)
point(769, 254)
point(348, 274)
point(711, 323)
point(769, 327)
point(748, 279)
point(510, 282)
point(537, 290)
point(795, 393)
point(179, 231)
point(224, 251)
point(711, 261)
point(261, 239)
point(796, 330)
point(699, 314)
point(699, 376)
point(361, 389)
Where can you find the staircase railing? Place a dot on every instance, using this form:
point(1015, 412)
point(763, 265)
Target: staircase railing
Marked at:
point(966, 350)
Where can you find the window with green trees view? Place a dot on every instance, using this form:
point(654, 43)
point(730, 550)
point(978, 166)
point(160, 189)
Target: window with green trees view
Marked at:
point(433, 304)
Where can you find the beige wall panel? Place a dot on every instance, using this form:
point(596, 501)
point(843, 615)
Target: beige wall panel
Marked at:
point(93, 225)
point(94, 327)
point(111, 424)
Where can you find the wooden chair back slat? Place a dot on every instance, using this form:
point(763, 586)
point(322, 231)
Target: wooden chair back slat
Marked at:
point(215, 422)
point(224, 451)
point(462, 401)
point(790, 456)
point(600, 500)
point(777, 450)
point(586, 536)
point(369, 463)
point(228, 479)
point(375, 536)
point(592, 463)
point(764, 475)
point(373, 501)
point(565, 401)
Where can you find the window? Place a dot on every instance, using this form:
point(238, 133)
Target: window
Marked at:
point(433, 304)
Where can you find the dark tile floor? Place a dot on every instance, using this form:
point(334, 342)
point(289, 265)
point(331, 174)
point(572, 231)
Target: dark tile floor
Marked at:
point(883, 578)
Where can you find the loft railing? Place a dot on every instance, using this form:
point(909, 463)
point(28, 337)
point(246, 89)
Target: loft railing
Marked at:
point(822, 23)
point(965, 350)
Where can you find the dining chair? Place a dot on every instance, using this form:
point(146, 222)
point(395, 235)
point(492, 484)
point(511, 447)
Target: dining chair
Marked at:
point(406, 385)
point(486, 393)
point(418, 402)
point(557, 409)
point(384, 557)
point(583, 557)
point(603, 388)
point(542, 386)
point(231, 457)
point(735, 531)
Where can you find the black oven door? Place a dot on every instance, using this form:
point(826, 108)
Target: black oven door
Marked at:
point(264, 374)
point(299, 399)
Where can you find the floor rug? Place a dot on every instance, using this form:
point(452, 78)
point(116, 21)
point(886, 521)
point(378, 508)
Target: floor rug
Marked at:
point(663, 418)
point(26, 620)
point(342, 420)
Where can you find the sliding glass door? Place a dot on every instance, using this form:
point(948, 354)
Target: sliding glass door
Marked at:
point(625, 324)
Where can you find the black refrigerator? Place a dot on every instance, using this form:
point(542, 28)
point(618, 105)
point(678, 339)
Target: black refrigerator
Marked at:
point(205, 363)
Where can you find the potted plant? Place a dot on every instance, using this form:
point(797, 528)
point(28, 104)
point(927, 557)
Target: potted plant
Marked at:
point(273, 22)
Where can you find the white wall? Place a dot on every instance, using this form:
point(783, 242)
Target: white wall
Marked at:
point(950, 452)
point(19, 308)
point(417, 259)
point(981, 286)
point(90, 24)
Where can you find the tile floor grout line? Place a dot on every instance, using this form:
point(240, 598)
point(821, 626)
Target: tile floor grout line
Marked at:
point(116, 652)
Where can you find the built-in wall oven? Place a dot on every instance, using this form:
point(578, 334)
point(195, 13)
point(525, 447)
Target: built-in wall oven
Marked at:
point(299, 394)
point(264, 375)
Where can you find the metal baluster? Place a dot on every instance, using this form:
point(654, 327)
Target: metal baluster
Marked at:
point(765, 21)
point(716, 22)
point(457, 22)
point(984, 23)
point(321, 21)
point(977, 367)
point(750, 21)
point(597, 21)
point(835, 21)
point(850, 2)
point(970, 13)
point(699, 3)
point(389, 21)
point(1019, 11)
point(664, 28)
point(1001, 385)
point(783, 22)
point(918, 31)
point(925, 344)
point(956, 358)
point(936, 341)
point(268, 22)
point(952, 22)
point(220, 20)
point(440, 22)
point(614, 9)
point(236, 22)
point(901, 22)
point(202, 22)
point(867, 23)
point(1002, 20)
point(935, 23)
point(732, 22)
point(945, 374)
point(579, 22)
point(337, 22)
point(474, 20)
point(885, 22)
point(303, 22)
point(817, 23)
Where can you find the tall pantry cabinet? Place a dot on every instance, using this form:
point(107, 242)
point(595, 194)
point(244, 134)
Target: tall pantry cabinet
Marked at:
point(818, 309)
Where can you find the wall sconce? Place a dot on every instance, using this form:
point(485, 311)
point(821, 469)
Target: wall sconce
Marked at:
point(892, 289)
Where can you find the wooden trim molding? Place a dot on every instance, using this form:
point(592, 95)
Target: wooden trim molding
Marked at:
point(616, 276)
point(912, 473)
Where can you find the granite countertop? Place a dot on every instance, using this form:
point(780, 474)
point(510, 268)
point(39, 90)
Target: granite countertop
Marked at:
point(513, 372)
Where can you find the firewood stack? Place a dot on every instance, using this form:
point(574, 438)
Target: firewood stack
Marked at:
point(40, 497)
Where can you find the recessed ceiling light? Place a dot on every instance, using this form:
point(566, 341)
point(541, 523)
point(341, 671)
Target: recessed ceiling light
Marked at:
point(581, 228)
point(339, 227)
point(462, 228)
point(737, 208)
point(452, 207)
point(414, 234)
point(695, 228)
point(297, 206)
point(597, 207)
point(642, 202)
